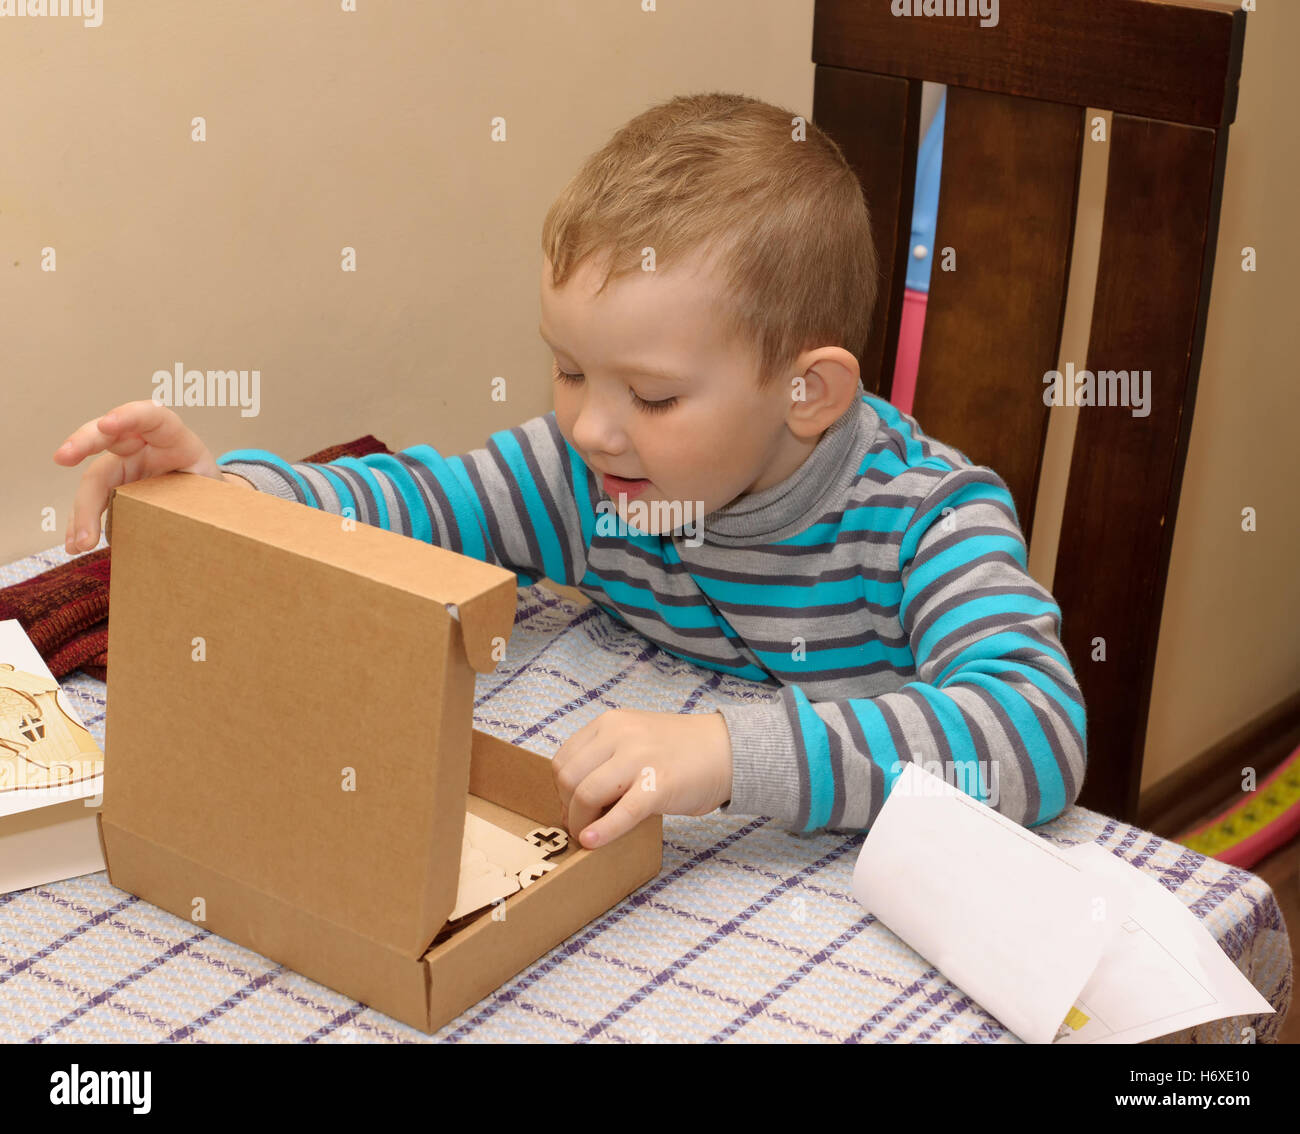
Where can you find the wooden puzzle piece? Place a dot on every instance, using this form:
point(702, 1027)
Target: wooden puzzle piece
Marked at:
point(509, 852)
point(475, 893)
point(551, 840)
point(495, 864)
point(532, 873)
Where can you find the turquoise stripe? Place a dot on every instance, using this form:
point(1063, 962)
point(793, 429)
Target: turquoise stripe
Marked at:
point(629, 596)
point(1051, 784)
point(955, 558)
point(341, 487)
point(278, 462)
point(893, 417)
point(466, 508)
point(784, 596)
point(952, 722)
point(400, 478)
point(366, 473)
point(877, 519)
point(879, 741)
point(974, 609)
point(922, 524)
point(548, 540)
point(992, 649)
point(994, 667)
point(816, 661)
point(817, 750)
point(581, 501)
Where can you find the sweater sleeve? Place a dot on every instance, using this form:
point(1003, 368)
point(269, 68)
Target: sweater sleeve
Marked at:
point(524, 501)
point(994, 707)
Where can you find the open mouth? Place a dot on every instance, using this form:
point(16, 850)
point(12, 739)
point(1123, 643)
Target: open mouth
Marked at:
point(615, 486)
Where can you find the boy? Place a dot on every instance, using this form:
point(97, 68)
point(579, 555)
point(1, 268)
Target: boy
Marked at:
point(707, 279)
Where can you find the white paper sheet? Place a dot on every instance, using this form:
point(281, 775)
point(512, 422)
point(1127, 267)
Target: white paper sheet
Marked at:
point(1030, 930)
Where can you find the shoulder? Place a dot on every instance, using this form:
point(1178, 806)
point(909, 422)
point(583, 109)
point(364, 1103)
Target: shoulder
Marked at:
point(920, 476)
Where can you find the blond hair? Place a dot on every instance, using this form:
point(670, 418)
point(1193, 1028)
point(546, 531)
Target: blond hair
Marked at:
point(724, 174)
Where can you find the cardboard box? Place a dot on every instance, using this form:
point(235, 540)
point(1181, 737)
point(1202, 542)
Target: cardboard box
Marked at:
point(290, 751)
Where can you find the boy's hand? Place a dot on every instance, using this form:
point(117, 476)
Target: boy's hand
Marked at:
point(134, 440)
point(643, 764)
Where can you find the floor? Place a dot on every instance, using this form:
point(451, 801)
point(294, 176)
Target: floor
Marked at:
point(1281, 870)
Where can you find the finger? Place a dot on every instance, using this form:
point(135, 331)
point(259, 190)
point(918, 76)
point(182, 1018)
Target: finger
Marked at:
point(100, 432)
point(574, 744)
point(581, 765)
point(602, 787)
point(102, 475)
point(630, 809)
point(131, 427)
point(569, 765)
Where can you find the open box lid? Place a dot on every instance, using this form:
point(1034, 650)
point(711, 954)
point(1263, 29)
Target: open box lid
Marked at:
point(290, 702)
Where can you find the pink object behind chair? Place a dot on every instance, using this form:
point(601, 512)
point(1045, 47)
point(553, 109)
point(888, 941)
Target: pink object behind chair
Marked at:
point(911, 330)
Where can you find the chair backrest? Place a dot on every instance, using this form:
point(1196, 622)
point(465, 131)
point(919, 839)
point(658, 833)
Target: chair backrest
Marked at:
point(1018, 92)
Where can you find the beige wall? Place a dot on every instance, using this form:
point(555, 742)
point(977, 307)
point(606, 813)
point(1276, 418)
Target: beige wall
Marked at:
point(328, 129)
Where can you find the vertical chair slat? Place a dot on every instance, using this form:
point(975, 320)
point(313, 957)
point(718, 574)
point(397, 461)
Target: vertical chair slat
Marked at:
point(875, 120)
point(1157, 259)
point(993, 326)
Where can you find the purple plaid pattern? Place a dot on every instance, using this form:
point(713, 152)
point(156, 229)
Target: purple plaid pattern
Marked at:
point(749, 932)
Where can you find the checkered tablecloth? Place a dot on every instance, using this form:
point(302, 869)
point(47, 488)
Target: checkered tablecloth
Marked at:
point(749, 932)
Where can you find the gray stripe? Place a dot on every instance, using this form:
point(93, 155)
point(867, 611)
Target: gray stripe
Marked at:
point(489, 511)
point(420, 474)
point(1016, 746)
point(933, 611)
point(548, 503)
point(396, 503)
point(805, 785)
point(367, 506)
point(267, 478)
point(990, 737)
point(326, 497)
point(1041, 705)
point(864, 779)
point(446, 529)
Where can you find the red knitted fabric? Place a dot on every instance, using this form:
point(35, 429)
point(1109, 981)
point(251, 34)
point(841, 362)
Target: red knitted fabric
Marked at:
point(65, 610)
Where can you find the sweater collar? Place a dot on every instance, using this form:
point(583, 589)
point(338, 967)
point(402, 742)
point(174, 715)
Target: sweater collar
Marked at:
point(783, 509)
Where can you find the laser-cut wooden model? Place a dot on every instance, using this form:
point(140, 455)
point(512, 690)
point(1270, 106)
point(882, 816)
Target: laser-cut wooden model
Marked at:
point(495, 864)
point(41, 744)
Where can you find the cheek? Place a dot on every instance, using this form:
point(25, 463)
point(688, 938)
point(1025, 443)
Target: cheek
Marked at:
point(566, 412)
point(691, 455)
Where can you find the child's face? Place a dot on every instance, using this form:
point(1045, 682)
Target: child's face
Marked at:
point(713, 437)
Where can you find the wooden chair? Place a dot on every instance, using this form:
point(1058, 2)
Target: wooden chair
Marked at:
point(1018, 93)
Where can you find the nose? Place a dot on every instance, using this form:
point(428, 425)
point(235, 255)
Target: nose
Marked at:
point(598, 426)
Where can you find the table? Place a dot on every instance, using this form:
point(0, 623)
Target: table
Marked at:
point(749, 933)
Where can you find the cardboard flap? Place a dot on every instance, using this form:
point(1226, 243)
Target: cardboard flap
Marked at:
point(290, 702)
point(486, 620)
point(481, 596)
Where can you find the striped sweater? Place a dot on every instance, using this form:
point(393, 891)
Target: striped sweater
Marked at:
point(882, 588)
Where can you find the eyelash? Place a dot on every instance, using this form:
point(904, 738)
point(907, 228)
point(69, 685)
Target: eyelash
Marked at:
point(641, 403)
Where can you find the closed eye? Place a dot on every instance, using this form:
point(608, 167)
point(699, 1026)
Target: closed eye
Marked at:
point(641, 404)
